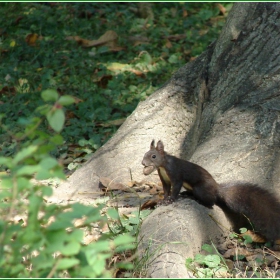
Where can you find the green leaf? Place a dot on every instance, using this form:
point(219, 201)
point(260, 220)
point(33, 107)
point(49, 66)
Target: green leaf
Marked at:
point(233, 235)
point(41, 262)
point(113, 213)
point(58, 173)
point(248, 239)
point(243, 230)
point(212, 260)
point(77, 235)
point(56, 225)
point(7, 183)
point(134, 220)
point(47, 191)
point(49, 95)
point(43, 174)
point(4, 194)
point(48, 163)
point(174, 58)
point(27, 170)
point(24, 153)
point(67, 263)
point(208, 248)
point(57, 139)
point(66, 100)
point(24, 184)
point(124, 240)
point(5, 161)
point(99, 246)
point(145, 213)
point(56, 236)
point(100, 264)
point(204, 272)
point(56, 119)
point(34, 206)
point(16, 269)
point(199, 258)
point(44, 109)
point(189, 261)
point(31, 236)
point(83, 142)
point(98, 250)
point(85, 209)
point(72, 248)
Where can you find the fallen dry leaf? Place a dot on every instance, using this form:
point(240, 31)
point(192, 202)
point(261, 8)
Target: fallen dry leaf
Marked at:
point(255, 236)
point(121, 67)
point(79, 40)
point(109, 38)
point(133, 184)
point(103, 80)
point(237, 251)
point(107, 184)
point(185, 13)
point(176, 37)
point(32, 38)
point(150, 204)
point(117, 122)
point(222, 9)
point(138, 38)
point(153, 190)
point(18, 19)
point(168, 44)
point(8, 90)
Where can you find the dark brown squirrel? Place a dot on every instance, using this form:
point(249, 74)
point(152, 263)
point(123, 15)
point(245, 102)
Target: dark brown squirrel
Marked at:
point(244, 203)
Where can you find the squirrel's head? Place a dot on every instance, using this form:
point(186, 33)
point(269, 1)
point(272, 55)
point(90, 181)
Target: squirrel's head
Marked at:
point(154, 158)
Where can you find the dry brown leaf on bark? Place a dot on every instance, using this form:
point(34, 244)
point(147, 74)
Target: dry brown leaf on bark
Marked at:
point(117, 122)
point(106, 184)
point(150, 204)
point(109, 38)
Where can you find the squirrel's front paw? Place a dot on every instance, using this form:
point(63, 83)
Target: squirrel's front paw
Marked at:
point(166, 201)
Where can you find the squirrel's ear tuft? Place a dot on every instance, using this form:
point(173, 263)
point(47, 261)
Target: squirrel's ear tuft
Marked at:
point(160, 146)
point(152, 146)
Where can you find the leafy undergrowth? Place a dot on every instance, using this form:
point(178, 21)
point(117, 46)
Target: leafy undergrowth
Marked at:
point(238, 257)
point(109, 56)
point(49, 240)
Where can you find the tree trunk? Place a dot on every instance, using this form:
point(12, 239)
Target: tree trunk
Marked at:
point(221, 110)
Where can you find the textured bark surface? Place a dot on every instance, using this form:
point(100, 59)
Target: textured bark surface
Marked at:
point(220, 111)
point(234, 83)
point(175, 232)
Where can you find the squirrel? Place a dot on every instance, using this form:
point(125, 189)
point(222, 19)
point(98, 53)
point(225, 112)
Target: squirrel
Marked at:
point(243, 203)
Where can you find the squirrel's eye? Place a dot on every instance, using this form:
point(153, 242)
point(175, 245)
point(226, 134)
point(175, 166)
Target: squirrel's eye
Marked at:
point(154, 156)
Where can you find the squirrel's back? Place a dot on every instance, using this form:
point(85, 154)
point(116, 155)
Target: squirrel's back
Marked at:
point(261, 207)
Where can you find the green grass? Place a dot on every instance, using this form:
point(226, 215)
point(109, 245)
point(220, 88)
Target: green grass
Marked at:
point(108, 83)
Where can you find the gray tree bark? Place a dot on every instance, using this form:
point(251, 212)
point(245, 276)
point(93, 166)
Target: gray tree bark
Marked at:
point(220, 111)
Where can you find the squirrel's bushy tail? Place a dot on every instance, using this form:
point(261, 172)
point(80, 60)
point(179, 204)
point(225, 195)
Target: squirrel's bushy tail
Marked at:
point(246, 201)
